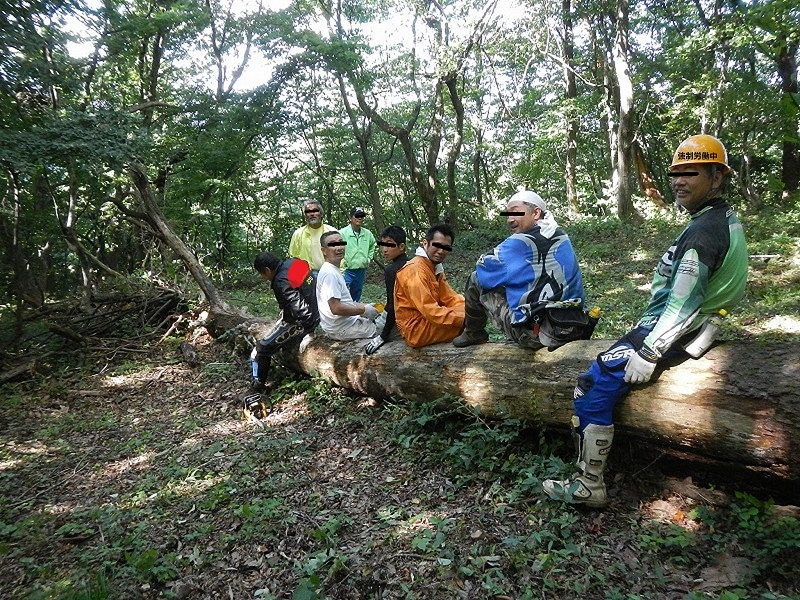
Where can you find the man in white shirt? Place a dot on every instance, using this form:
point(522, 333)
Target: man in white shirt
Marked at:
point(341, 318)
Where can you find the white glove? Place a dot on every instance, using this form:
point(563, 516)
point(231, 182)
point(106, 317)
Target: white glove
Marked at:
point(370, 312)
point(372, 346)
point(640, 366)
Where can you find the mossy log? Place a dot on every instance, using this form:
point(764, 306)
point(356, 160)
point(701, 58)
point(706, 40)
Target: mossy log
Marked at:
point(739, 404)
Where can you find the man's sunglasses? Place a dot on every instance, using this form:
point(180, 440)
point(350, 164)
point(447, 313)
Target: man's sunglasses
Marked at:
point(513, 213)
point(334, 244)
point(387, 244)
point(684, 174)
point(311, 211)
point(444, 247)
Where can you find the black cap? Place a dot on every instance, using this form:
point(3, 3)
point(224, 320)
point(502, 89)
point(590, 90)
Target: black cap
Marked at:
point(358, 212)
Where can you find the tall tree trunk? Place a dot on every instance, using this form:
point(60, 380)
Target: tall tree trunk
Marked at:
point(478, 168)
point(601, 48)
point(745, 178)
point(647, 185)
point(363, 135)
point(570, 94)
point(455, 150)
point(424, 181)
point(625, 209)
point(25, 285)
point(787, 71)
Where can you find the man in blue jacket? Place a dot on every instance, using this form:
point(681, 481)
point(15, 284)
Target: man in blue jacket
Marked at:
point(534, 269)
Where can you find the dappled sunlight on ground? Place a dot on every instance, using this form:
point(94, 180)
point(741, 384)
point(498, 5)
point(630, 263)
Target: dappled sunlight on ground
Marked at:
point(120, 467)
point(783, 324)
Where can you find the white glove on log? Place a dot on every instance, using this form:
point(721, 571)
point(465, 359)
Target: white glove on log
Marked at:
point(640, 366)
point(372, 346)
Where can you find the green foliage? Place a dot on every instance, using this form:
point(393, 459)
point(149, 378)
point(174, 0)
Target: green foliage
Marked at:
point(752, 529)
point(91, 587)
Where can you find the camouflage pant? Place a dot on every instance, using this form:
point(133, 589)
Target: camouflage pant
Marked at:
point(491, 306)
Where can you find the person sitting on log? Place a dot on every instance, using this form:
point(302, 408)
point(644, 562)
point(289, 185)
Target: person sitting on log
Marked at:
point(702, 273)
point(393, 249)
point(295, 291)
point(341, 317)
point(428, 311)
point(531, 274)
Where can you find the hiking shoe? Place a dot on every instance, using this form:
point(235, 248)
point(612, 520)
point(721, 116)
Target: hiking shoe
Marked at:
point(254, 406)
point(470, 338)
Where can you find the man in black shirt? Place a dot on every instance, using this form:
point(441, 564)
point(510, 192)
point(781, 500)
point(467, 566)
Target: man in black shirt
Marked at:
point(295, 290)
point(393, 250)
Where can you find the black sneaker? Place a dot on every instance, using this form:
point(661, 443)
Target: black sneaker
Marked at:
point(471, 338)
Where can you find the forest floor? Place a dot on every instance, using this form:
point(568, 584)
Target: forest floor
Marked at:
point(126, 473)
point(133, 475)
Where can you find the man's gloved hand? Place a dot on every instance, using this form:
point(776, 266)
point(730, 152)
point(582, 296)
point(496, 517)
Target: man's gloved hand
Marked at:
point(640, 366)
point(374, 344)
point(370, 312)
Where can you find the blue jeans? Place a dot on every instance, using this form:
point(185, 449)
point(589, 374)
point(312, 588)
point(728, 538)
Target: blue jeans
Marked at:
point(354, 279)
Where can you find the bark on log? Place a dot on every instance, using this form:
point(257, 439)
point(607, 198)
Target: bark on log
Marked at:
point(738, 406)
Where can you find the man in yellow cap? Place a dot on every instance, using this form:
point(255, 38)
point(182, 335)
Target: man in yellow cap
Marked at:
point(703, 272)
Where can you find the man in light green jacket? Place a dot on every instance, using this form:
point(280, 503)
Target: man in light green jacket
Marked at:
point(360, 250)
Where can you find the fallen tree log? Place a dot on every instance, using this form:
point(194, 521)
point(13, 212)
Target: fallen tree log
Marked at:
point(738, 405)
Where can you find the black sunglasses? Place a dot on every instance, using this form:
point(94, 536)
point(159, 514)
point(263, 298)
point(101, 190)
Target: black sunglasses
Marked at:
point(387, 244)
point(514, 213)
point(311, 211)
point(684, 174)
point(334, 244)
point(444, 247)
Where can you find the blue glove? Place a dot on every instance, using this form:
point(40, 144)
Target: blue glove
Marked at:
point(640, 366)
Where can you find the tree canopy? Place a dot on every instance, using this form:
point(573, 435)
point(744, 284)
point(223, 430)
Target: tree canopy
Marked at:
point(223, 116)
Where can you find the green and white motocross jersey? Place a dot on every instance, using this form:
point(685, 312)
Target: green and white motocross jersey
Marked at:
point(704, 270)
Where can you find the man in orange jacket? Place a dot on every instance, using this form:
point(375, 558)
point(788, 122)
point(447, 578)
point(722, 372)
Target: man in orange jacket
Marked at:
point(428, 311)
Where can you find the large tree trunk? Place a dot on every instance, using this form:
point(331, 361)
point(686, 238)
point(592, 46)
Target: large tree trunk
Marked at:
point(625, 208)
point(736, 407)
point(787, 71)
point(570, 94)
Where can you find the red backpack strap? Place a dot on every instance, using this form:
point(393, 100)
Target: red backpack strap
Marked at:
point(298, 272)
